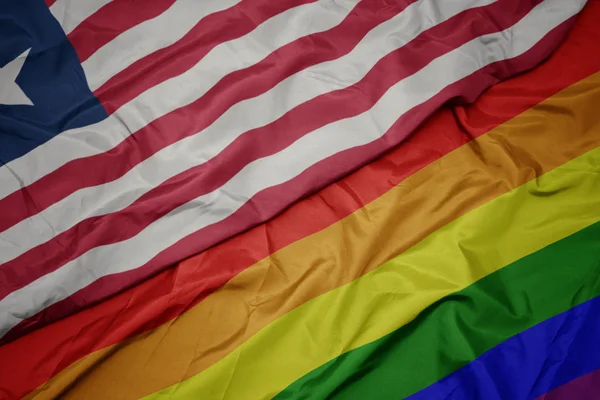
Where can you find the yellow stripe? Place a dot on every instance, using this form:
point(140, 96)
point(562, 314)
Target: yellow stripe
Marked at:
point(510, 227)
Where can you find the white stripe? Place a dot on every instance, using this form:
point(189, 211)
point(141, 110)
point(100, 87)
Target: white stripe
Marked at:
point(71, 13)
point(148, 37)
point(287, 164)
point(249, 114)
point(173, 93)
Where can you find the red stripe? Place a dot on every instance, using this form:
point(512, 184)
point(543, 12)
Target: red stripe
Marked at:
point(110, 21)
point(213, 30)
point(49, 2)
point(586, 387)
point(163, 297)
point(262, 142)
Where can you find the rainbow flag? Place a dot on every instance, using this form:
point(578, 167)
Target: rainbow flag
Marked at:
point(463, 263)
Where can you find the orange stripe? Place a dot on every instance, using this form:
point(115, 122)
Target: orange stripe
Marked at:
point(499, 161)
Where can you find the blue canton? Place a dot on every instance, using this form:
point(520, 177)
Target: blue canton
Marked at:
point(51, 77)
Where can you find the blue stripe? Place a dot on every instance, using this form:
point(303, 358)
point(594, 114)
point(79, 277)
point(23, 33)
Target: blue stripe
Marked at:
point(52, 77)
point(531, 363)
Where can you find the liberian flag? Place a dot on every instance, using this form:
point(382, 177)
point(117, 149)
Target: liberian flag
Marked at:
point(299, 199)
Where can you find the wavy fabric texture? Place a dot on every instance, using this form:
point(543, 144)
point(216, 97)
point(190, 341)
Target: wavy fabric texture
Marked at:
point(268, 202)
point(213, 151)
point(568, 340)
point(212, 141)
point(463, 264)
point(165, 296)
point(584, 388)
point(462, 326)
point(265, 287)
point(360, 312)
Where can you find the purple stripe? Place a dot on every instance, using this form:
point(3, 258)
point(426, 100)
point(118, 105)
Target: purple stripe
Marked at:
point(585, 388)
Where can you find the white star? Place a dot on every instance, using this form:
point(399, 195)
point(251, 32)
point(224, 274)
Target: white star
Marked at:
point(10, 92)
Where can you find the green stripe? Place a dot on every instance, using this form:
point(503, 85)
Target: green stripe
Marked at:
point(460, 327)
